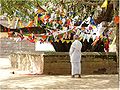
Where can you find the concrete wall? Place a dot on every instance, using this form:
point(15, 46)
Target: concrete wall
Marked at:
point(59, 62)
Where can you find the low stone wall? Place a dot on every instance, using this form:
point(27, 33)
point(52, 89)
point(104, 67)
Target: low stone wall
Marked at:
point(59, 62)
point(27, 61)
point(92, 63)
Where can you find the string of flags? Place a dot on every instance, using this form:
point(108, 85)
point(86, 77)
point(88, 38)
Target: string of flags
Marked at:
point(91, 31)
point(61, 27)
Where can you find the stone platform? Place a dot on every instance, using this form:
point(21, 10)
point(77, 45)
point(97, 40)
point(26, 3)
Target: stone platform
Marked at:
point(58, 63)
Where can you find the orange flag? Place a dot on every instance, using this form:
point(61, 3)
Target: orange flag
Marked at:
point(30, 24)
point(116, 19)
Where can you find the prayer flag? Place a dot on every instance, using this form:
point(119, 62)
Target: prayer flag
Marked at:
point(40, 10)
point(44, 36)
point(67, 41)
point(30, 23)
point(20, 24)
point(36, 20)
point(9, 21)
point(116, 19)
point(104, 5)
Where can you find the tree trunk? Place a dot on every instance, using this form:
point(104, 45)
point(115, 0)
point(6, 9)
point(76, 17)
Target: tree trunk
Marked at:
point(116, 6)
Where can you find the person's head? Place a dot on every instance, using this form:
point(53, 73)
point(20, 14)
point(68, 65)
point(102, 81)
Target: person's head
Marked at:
point(104, 23)
point(75, 37)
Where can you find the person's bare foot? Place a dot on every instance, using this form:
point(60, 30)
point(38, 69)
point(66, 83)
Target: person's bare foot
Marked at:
point(73, 76)
point(79, 76)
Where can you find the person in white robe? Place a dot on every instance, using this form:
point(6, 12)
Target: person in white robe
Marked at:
point(75, 57)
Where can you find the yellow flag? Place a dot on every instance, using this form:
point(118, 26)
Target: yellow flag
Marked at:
point(104, 5)
point(57, 40)
point(8, 20)
point(20, 24)
point(93, 26)
point(63, 41)
point(36, 19)
point(67, 41)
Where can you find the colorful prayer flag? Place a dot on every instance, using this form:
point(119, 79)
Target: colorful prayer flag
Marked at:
point(104, 5)
point(30, 24)
point(116, 19)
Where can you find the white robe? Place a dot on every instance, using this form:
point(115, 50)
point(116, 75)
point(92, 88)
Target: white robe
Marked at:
point(75, 57)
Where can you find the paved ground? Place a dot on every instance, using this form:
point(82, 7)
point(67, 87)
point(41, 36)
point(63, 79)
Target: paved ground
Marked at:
point(10, 81)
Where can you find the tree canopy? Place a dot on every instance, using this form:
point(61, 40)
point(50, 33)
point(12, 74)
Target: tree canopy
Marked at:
point(25, 8)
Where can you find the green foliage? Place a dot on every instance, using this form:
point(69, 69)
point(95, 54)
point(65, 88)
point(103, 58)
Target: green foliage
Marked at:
point(19, 8)
point(23, 8)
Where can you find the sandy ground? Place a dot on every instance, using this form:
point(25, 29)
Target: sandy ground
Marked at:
point(9, 81)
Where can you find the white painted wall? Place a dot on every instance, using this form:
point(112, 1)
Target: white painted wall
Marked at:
point(46, 46)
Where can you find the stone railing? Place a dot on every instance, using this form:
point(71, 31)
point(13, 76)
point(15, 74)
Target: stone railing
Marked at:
point(59, 62)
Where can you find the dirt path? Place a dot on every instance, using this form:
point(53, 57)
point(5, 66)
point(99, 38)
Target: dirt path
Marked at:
point(37, 82)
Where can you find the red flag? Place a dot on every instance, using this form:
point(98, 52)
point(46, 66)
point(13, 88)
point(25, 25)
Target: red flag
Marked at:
point(116, 19)
point(8, 29)
point(44, 36)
